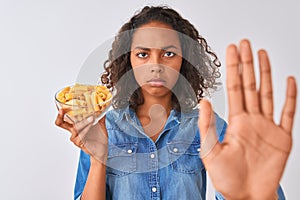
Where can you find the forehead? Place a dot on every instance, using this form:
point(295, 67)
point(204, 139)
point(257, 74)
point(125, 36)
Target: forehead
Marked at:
point(155, 35)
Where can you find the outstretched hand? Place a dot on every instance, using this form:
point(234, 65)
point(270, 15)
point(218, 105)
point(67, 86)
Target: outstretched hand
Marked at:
point(250, 162)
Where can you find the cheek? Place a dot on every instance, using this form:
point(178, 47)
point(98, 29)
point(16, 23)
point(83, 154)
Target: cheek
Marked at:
point(140, 73)
point(134, 61)
point(136, 72)
point(173, 80)
point(178, 64)
point(173, 75)
point(175, 72)
point(137, 76)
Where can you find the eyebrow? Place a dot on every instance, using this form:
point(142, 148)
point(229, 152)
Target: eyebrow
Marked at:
point(169, 47)
point(163, 48)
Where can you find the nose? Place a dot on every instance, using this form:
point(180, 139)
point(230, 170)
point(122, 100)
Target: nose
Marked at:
point(156, 68)
point(155, 62)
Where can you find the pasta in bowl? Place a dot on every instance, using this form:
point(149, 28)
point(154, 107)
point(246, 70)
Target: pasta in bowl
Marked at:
point(81, 101)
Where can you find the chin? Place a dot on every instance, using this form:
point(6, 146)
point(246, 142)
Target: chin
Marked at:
point(158, 91)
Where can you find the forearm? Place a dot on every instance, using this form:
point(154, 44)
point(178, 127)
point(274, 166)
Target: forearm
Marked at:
point(95, 186)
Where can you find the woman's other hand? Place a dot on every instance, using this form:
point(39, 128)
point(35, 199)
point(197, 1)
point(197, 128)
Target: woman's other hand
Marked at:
point(251, 160)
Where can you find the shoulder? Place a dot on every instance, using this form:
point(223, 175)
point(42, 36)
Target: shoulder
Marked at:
point(195, 115)
point(115, 114)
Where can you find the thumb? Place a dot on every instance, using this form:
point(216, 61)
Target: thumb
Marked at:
point(207, 126)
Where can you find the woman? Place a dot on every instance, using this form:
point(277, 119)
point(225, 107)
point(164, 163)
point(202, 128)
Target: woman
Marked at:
point(153, 136)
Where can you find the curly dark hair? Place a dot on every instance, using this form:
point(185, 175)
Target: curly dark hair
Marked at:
point(199, 64)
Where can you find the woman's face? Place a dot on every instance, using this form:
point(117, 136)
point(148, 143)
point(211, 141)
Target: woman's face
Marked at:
point(156, 58)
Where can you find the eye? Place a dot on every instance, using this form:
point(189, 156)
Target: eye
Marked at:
point(142, 55)
point(169, 54)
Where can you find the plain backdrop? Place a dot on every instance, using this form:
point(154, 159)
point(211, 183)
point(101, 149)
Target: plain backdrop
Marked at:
point(43, 45)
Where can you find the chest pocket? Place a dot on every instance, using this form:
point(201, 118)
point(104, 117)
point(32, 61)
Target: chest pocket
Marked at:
point(121, 159)
point(184, 157)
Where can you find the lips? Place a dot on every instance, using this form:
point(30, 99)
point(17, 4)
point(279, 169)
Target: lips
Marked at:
point(156, 82)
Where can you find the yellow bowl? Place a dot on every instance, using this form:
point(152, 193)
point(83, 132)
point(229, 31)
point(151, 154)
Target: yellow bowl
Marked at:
point(81, 101)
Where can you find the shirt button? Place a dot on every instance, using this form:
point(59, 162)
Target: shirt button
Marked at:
point(129, 151)
point(198, 149)
point(152, 155)
point(154, 189)
point(175, 150)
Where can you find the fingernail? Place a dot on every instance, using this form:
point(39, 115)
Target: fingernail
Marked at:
point(90, 119)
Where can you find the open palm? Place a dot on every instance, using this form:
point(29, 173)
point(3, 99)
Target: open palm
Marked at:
point(251, 160)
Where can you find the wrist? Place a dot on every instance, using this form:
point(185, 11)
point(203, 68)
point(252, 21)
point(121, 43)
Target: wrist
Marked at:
point(97, 163)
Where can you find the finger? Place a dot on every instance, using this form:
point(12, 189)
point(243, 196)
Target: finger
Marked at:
point(103, 126)
point(207, 128)
point(233, 81)
point(266, 89)
point(60, 120)
point(288, 112)
point(248, 76)
point(83, 123)
point(78, 138)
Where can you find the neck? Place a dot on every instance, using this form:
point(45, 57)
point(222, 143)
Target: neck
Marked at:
point(151, 102)
point(153, 114)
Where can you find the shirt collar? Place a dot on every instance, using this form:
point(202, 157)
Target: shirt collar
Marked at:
point(128, 113)
point(124, 113)
point(191, 114)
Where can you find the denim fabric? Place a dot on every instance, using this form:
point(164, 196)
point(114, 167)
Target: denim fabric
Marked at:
point(138, 168)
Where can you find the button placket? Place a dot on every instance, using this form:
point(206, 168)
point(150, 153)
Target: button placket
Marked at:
point(153, 168)
point(152, 158)
point(152, 155)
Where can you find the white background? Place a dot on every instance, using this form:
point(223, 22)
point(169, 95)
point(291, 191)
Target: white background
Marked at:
point(43, 45)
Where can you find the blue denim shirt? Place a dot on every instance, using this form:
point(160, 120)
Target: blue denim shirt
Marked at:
point(138, 168)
